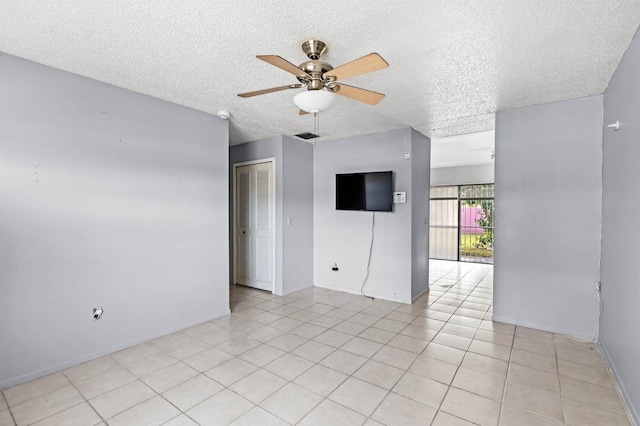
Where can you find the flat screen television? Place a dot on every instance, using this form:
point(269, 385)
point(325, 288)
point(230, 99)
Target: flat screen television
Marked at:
point(365, 191)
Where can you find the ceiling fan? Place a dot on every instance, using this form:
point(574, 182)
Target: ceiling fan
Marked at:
point(321, 78)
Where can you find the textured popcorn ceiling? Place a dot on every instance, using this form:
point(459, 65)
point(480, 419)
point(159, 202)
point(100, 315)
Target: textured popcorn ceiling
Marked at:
point(452, 63)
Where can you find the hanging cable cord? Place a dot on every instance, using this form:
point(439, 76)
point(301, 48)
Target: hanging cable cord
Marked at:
point(373, 225)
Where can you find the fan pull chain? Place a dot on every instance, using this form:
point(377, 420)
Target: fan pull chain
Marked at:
point(316, 118)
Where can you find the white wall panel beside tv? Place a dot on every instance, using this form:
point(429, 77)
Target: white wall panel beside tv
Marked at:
point(342, 225)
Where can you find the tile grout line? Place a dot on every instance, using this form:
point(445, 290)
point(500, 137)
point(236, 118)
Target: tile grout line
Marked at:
point(555, 357)
point(172, 404)
point(4, 397)
point(83, 397)
point(506, 377)
point(368, 359)
point(456, 372)
point(137, 378)
point(285, 353)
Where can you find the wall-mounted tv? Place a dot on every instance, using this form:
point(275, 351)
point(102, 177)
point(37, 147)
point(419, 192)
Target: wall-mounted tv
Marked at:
point(365, 191)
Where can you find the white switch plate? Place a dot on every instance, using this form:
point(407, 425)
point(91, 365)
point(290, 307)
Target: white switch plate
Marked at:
point(399, 197)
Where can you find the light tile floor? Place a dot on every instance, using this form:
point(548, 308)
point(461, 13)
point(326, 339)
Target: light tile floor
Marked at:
point(320, 357)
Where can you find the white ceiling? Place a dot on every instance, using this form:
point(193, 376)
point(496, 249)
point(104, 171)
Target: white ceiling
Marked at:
point(463, 150)
point(452, 63)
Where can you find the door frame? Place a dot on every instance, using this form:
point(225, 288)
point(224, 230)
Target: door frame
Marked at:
point(271, 160)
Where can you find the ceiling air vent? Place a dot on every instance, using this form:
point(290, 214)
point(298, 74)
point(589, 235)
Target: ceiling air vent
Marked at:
point(306, 135)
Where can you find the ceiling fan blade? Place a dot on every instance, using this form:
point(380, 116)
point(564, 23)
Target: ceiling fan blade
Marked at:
point(369, 63)
point(362, 95)
point(283, 64)
point(303, 112)
point(265, 91)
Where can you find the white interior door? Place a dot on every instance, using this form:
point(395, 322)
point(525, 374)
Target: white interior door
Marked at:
point(254, 225)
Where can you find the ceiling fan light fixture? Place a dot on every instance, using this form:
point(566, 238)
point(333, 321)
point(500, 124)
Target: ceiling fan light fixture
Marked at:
point(314, 101)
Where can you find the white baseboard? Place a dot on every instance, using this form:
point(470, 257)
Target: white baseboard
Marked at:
point(88, 357)
point(557, 330)
point(367, 293)
point(421, 293)
point(289, 291)
point(631, 409)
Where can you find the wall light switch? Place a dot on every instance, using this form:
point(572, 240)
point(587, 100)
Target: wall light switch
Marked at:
point(399, 197)
point(289, 221)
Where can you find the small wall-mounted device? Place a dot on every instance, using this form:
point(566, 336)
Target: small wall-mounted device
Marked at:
point(97, 313)
point(334, 267)
point(615, 126)
point(399, 197)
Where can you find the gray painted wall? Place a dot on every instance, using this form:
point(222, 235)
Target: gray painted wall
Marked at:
point(294, 200)
point(420, 174)
point(108, 198)
point(619, 336)
point(548, 199)
point(297, 188)
point(482, 173)
point(343, 237)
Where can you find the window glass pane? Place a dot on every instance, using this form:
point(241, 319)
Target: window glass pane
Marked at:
point(476, 191)
point(443, 213)
point(443, 229)
point(443, 243)
point(444, 192)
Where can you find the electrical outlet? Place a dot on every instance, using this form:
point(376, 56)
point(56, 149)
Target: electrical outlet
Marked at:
point(97, 313)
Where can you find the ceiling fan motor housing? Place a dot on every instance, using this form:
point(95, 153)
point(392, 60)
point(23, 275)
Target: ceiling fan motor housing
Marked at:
point(315, 69)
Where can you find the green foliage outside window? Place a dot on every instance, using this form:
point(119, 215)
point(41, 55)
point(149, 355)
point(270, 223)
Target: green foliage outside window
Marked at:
point(472, 195)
